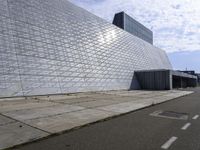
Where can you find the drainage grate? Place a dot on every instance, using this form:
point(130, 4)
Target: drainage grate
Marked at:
point(170, 115)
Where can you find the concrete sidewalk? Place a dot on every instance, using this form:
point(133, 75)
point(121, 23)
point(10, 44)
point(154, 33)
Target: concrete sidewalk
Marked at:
point(24, 119)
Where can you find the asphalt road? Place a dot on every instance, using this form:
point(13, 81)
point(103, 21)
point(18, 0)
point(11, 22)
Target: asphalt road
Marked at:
point(135, 131)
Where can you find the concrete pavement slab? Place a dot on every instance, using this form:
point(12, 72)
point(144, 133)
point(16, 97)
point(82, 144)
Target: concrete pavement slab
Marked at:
point(5, 120)
point(112, 92)
point(123, 99)
point(86, 94)
point(27, 105)
point(123, 107)
point(127, 92)
point(12, 99)
point(103, 96)
point(149, 96)
point(132, 94)
point(15, 102)
point(67, 121)
point(97, 103)
point(74, 101)
point(63, 97)
point(17, 133)
point(42, 112)
point(175, 95)
point(58, 97)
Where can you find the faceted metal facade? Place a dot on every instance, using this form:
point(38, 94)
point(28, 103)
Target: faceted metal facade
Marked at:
point(53, 46)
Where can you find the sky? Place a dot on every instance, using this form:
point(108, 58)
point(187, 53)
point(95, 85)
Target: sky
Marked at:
point(175, 24)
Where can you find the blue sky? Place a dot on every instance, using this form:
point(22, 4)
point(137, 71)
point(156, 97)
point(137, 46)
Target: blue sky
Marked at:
point(175, 23)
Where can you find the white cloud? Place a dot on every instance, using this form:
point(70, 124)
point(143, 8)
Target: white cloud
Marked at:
point(175, 23)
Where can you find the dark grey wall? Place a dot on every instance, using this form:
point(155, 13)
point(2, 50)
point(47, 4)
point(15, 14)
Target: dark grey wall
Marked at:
point(154, 80)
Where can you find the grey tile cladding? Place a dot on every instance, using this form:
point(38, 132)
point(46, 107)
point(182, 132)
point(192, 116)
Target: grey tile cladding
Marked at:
point(53, 46)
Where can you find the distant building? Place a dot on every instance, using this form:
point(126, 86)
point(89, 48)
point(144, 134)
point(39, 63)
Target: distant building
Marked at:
point(124, 21)
point(198, 78)
point(192, 72)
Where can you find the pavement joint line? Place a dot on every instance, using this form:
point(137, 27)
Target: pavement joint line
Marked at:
point(167, 144)
point(10, 122)
point(186, 126)
point(7, 111)
point(54, 104)
point(49, 115)
point(72, 103)
point(195, 117)
point(26, 124)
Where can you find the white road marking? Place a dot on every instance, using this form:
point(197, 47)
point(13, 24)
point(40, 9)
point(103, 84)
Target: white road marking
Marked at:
point(195, 117)
point(186, 126)
point(169, 142)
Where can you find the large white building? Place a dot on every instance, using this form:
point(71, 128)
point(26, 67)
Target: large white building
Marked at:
point(53, 46)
